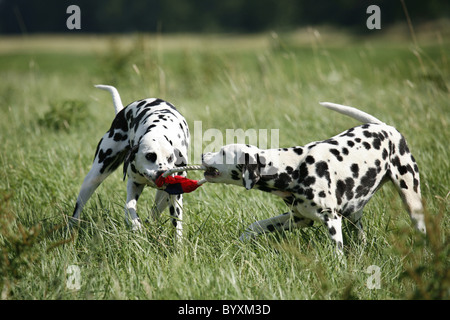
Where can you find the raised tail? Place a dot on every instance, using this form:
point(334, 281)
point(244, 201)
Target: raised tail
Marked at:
point(115, 96)
point(351, 112)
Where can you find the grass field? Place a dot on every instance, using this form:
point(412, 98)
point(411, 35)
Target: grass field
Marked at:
point(52, 118)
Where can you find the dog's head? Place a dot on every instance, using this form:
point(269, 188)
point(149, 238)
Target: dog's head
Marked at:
point(236, 164)
point(151, 157)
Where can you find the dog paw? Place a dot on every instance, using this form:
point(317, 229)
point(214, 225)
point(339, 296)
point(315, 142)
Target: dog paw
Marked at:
point(246, 236)
point(136, 225)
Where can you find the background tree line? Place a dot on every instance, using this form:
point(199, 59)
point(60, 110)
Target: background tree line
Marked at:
point(32, 16)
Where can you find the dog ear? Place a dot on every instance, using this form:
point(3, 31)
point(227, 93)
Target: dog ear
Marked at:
point(250, 172)
point(128, 158)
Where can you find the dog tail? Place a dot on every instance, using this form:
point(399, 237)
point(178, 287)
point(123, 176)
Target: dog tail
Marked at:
point(351, 112)
point(115, 96)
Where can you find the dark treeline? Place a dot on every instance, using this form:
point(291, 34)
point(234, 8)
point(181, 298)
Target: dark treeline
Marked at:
point(31, 16)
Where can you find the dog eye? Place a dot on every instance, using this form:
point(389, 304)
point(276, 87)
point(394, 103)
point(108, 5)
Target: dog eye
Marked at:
point(170, 158)
point(151, 156)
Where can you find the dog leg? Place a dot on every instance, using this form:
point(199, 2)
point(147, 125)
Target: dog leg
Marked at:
point(333, 222)
point(91, 182)
point(109, 155)
point(405, 176)
point(176, 212)
point(134, 190)
point(413, 203)
point(285, 221)
point(160, 204)
point(356, 222)
point(361, 233)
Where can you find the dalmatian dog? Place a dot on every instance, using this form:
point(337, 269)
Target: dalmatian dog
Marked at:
point(326, 180)
point(148, 136)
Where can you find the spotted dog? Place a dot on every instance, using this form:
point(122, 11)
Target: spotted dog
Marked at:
point(148, 136)
point(326, 180)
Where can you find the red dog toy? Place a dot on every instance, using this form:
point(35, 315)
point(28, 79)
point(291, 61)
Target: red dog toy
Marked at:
point(179, 184)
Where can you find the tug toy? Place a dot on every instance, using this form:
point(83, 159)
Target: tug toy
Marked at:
point(179, 184)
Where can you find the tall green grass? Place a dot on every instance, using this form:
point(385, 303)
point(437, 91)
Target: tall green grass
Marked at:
point(52, 119)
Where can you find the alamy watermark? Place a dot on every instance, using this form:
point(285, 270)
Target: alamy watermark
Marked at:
point(73, 22)
point(73, 280)
point(374, 279)
point(216, 139)
point(374, 20)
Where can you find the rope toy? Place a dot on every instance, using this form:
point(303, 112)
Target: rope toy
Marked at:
point(179, 184)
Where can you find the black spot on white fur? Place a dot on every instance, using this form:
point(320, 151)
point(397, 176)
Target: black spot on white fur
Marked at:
point(328, 179)
point(139, 120)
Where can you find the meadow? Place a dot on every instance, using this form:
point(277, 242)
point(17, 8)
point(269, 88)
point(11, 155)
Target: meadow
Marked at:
point(52, 119)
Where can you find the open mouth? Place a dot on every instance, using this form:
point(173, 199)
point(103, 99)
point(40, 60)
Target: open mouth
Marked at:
point(211, 172)
point(150, 178)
